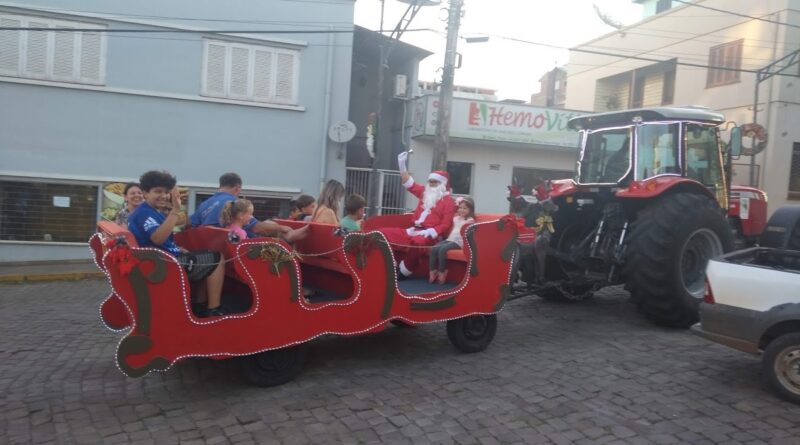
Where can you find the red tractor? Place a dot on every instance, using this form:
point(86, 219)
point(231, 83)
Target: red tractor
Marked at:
point(649, 206)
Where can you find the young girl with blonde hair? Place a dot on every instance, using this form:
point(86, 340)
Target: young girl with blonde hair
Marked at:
point(235, 215)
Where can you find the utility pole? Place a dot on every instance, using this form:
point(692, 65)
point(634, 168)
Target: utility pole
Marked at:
point(772, 69)
point(446, 90)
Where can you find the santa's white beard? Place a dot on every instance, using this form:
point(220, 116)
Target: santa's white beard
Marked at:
point(432, 195)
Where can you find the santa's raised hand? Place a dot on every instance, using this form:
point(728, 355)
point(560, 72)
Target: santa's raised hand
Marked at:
point(402, 161)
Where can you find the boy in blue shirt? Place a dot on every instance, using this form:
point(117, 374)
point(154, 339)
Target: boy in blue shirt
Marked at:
point(230, 186)
point(154, 229)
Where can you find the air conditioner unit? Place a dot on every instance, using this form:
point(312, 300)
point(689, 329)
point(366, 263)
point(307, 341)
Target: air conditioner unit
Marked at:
point(400, 86)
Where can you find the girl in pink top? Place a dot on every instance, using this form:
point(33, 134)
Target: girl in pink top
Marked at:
point(236, 214)
point(465, 214)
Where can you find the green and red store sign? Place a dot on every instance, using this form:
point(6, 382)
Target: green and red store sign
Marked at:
point(494, 121)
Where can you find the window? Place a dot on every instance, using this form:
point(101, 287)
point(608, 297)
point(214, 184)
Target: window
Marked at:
point(460, 177)
point(668, 89)
point(31, 211)
point(703, 161)
point(263, 208)
point(728, 58)
point(794, 173)
point(663, 5)
point(605, 157)
point(76, 57)
point(250, 72)
point(657, 150)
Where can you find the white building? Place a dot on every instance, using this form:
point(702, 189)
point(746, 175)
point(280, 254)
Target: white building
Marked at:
point(491, 144)
point(707, 53)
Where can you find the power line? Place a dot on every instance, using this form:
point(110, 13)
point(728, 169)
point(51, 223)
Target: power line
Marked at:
point(190, 31)
point(736, 13)
point(679, 41)
point(625, 56)
point(112, 15)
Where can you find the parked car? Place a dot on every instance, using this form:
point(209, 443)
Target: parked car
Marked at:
point(752, 303)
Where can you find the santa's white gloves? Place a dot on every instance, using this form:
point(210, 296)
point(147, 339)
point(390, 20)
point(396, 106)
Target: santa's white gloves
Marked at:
point(402, 160)
point(430, 233)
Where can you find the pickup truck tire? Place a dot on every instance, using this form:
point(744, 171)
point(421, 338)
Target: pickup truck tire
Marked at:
point(781, 366)
point(473, 333)
point(275, 367)
point(670, 244)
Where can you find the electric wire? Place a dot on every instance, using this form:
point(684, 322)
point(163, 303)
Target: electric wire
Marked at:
point(697, 5)
point(633, 57)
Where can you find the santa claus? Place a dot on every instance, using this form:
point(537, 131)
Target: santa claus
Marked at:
point(432, 219)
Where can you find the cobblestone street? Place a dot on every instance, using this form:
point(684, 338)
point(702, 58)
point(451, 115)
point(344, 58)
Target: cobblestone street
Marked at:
point(588, 373)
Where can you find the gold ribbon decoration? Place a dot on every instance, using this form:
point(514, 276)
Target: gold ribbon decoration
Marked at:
point(544, 222)
point(275, 255)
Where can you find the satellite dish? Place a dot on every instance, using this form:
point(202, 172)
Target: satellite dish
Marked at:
point(342, 131)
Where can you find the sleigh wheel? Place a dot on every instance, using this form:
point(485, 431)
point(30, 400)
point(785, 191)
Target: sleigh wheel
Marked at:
point(275, 367)
point(472, 334)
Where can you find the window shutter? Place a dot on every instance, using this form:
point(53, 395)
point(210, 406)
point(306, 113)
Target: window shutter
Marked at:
point(91, 44)
point(284, 90)
point(36, 56)
point(240, 71)
point(262, 75)
point(9, 46)
point(64, 54)
point(215, 70)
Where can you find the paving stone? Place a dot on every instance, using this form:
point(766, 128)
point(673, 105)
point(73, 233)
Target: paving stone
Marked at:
point(593, 372)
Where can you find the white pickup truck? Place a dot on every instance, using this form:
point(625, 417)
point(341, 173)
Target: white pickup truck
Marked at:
point(752, 303)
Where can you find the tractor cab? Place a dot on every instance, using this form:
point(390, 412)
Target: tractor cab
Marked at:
point(625, 149)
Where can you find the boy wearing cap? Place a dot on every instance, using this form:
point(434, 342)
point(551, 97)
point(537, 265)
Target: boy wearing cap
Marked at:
point(432, 219)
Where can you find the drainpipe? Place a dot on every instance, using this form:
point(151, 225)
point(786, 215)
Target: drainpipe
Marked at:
point(326, 110)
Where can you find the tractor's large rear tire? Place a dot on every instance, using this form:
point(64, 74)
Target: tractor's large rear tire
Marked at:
point(669, 247)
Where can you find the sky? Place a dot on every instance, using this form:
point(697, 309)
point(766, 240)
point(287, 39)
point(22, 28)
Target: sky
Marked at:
point(512, 68)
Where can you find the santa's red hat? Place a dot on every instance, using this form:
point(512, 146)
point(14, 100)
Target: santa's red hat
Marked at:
point(440, 176)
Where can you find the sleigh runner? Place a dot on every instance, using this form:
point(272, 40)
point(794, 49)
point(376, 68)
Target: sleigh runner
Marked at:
point(284, 296)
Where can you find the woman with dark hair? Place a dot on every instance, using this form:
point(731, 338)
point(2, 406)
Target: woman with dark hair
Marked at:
point(133, 198)
point(330, 198)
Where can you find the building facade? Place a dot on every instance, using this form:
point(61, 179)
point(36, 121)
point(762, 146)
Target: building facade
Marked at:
point(707, 53)
point(195, 87)
point(493, 144)
point(553, 89)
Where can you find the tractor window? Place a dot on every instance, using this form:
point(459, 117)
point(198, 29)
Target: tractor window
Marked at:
point(657, 150)
point(703, 156)
point(606, 157)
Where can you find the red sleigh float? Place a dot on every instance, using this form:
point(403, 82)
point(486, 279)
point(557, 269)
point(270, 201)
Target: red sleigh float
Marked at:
point(355, 292)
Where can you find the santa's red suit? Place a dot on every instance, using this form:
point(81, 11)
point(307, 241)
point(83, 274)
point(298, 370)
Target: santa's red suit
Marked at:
point(430, 224)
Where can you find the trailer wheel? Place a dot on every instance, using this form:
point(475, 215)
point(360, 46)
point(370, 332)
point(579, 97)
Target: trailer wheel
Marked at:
point(275, 367)
point(781, 366)
point(472, 334)
point(671, 242)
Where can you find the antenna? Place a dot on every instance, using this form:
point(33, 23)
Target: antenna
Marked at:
point(608, 20)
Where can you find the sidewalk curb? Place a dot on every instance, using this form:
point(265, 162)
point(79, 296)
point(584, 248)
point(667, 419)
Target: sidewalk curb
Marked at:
point(63, 276)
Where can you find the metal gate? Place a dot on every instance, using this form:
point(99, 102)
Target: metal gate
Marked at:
point(392, 196)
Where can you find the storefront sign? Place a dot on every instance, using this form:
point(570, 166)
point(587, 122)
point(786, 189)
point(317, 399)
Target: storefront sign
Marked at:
point(493, 121)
